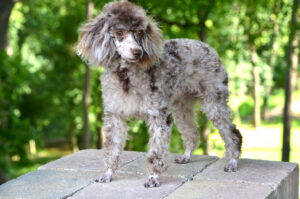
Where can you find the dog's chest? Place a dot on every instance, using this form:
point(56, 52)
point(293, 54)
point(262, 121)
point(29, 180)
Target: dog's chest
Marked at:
point(126, 91)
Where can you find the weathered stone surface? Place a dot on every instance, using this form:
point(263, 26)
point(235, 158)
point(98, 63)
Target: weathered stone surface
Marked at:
point(44, 184)
point(215, 189)
point(128, 187)
point(289, 186)
point(88, 160)
point(197, 164)
point(73, 176)
point(282, 177)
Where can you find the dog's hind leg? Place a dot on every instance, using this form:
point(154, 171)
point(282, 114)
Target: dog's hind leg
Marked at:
point(184, 119)
point(115, 135)
point(160, 131)
point(214, 104)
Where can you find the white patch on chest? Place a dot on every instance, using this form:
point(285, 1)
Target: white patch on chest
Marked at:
point(119, 101)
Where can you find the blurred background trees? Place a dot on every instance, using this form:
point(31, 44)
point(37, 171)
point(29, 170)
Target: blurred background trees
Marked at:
point(50, 101)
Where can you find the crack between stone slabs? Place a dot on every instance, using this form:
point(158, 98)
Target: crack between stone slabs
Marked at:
point(139, 157)
point(93, 181)
point(124, 172)
point(173, 190)
point(190, 178)
point(74, 192)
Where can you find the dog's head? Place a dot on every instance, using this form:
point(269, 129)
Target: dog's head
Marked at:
point(121, 30)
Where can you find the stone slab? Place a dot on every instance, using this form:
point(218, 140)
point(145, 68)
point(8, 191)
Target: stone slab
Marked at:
point(215, 189)
point(44, 184)
point(204, 177)
point(282, 177)
point(197, 164)
point(88, 160)
point(128, 187)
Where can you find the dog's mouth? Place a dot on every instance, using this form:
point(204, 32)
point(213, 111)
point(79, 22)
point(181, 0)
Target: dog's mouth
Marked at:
point(132, 59)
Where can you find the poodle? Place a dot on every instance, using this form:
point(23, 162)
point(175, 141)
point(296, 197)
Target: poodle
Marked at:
point(158, 81)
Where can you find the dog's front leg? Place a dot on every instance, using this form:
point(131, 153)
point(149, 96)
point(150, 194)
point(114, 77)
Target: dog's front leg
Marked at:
point(160, 130)
point(115, 135)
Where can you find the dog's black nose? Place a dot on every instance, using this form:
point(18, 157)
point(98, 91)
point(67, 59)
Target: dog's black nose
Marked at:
point(137, 52)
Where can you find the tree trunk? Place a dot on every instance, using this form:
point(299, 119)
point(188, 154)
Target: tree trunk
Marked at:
point(86, 104)
point(265, 103)
point(3, 177)
point(291, 73)
point(202, 19)
point(87, 93)
point(272, 59)
point(203, 30)
point(256, 89)
point(5, 163)
point(5, 10)
point(73, 137)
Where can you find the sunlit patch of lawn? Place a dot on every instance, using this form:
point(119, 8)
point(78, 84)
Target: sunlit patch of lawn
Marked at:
point(40, 158)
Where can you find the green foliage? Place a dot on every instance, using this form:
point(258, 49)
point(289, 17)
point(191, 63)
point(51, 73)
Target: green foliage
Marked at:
point(14, 128)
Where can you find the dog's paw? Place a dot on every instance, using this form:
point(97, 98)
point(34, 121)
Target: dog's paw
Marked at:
point(152, 181)
point(182, 159)
point(231, 166)
point(104, 178)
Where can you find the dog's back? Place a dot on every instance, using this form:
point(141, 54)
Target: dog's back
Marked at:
point(191, 67)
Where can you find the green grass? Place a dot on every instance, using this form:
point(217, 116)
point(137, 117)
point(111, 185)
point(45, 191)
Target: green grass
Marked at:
point(40, 158)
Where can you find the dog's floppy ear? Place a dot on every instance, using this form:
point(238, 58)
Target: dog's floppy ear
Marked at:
point(95, 43)
point(152, 44)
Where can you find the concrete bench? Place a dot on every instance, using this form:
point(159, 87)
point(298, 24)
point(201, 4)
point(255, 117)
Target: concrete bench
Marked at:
point(73, 177)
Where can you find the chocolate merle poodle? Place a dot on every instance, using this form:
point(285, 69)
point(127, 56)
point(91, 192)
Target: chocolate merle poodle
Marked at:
point(148, 78)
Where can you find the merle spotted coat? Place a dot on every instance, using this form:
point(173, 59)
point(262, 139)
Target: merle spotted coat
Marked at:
point(148, 78)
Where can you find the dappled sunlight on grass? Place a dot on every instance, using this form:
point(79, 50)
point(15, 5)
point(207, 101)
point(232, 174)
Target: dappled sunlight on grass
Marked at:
point(264, 142)
point(36, 160)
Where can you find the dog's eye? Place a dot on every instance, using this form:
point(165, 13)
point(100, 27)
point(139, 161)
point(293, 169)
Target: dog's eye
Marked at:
point(140, 32)
point(119, 33)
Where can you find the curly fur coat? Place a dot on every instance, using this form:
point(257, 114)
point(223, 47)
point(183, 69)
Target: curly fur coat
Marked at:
point(151, 79)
